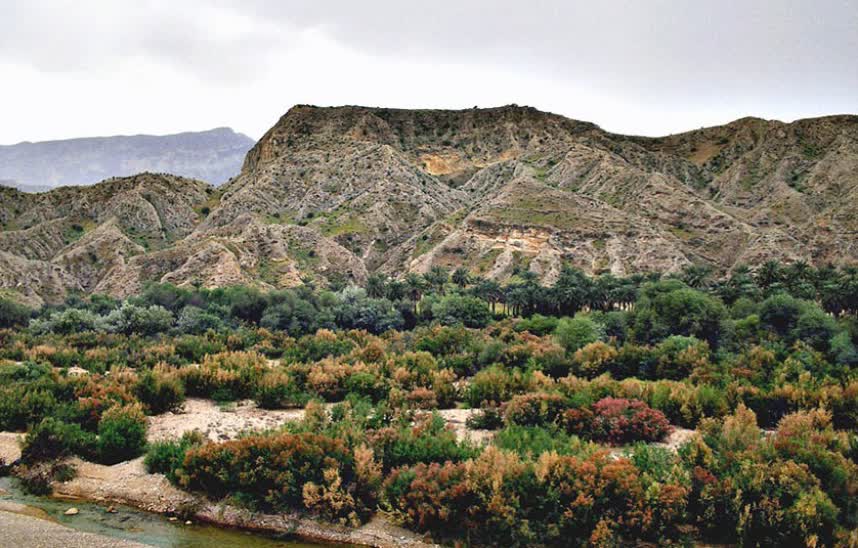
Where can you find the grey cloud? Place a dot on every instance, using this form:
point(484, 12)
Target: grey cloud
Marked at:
point(706, 58)
point(657, 43)
point(89, 36)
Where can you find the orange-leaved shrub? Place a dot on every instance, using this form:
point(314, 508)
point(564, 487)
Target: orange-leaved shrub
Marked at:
point(284, 472)
point(501, 499)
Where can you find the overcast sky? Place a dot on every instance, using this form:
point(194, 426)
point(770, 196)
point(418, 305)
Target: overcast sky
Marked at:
point(72, 68)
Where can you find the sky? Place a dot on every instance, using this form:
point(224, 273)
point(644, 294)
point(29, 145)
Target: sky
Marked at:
point(76, 68)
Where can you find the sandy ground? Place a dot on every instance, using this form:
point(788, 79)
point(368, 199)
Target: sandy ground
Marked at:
point(457, 419)
point(677, 438)
point(218, 422)
point(124, 483)
point(10, 450)
point(24, 526)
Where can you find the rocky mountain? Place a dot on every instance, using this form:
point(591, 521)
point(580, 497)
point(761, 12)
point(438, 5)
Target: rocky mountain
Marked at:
point(335, 193)
point(213, 156)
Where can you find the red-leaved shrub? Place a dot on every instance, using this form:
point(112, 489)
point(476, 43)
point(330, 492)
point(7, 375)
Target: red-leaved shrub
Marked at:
point(618, 421)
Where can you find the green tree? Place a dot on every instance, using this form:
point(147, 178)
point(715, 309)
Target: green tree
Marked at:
point(461, 309)
point(670, 308)
point(575, 333)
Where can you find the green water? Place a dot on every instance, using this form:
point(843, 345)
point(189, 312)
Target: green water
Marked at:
point(131, 524)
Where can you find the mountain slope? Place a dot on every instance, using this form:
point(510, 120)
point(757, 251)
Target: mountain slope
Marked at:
point(212, 156)
point(332, 194)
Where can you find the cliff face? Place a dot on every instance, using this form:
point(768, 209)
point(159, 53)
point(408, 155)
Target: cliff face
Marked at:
point(334, 193)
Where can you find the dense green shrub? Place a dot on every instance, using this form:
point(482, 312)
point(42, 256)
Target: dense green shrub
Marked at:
point(159, 391)
point(427, 441)
point(225, 376)
point(535, 409)
point(678, 357)
point(195, 320)
point(577, 332)
point(487, 418)
point(21, 405)
point(779, 313)
point(130, 318)
point(121, 434)
point(751, 489)
point(462, 310)
point(532, 441)
point(13, 314)
point(594, 359)
point(537, 324)
point(166, 457)
point(53, 439)
point(497, 384)
point(277, 390)
point(194, 348)
point(667, 308)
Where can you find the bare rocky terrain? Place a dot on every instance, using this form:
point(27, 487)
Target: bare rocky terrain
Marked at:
point(333, 194)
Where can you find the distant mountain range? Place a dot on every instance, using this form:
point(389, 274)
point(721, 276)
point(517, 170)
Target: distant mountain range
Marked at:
point(333, 194)
point(213, 156)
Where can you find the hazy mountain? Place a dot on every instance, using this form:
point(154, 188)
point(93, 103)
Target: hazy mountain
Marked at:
point(335, 193)
point(213, 156)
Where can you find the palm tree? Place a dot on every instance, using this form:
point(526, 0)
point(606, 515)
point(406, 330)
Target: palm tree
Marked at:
point(375, 286)
point(437, 278)
point(414, 286)
point(461, 277)
point(740, 284)
point(517, 298)
point(769, 276)
point(571, 291)
point(395, 290)
point(696, 275)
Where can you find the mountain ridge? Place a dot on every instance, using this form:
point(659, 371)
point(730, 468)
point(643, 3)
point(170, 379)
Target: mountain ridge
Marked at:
point(335, 193)
point(215, 155)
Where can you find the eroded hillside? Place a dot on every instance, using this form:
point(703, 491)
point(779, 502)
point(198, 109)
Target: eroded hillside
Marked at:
point(331, 194)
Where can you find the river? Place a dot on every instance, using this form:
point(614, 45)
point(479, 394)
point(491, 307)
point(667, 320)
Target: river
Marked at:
point(143, 527)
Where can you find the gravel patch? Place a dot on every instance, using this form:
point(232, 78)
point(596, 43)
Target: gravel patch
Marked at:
point(21, 529)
